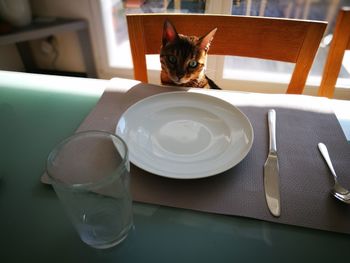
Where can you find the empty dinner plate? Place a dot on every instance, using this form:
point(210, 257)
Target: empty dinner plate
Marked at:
point(185, 135)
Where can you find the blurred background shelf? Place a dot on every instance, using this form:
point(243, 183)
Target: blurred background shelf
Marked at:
point(47, 27)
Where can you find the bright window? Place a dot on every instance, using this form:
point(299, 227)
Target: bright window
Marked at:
point(323, 10)
point(225, 69)
point(114, 11)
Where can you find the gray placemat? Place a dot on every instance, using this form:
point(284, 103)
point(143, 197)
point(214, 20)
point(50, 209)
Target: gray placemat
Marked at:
point(304, 178)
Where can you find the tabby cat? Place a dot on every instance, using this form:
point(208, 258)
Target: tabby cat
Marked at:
point(183, 58)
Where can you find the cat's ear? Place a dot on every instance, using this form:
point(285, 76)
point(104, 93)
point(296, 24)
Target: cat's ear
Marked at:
point(204, 41)
point(169, 32)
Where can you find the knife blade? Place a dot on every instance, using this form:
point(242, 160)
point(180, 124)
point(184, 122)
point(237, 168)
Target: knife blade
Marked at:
point(271, 169)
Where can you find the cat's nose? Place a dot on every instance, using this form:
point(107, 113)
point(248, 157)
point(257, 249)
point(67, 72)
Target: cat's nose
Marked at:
point(180, 75)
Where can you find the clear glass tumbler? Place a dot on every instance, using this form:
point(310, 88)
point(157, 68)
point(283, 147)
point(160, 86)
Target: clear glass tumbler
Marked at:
point(90, 174)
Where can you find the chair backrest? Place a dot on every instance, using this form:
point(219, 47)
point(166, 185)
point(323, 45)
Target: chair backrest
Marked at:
point(340, 43)
point(279, 39)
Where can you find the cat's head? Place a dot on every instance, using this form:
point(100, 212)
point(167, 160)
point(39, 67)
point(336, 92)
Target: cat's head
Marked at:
point(183, 57)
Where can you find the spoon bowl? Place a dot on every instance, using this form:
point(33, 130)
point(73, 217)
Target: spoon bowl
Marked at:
point(338, 191)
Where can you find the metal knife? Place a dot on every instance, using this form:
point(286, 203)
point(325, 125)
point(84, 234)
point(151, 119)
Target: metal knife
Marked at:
point(271, 169)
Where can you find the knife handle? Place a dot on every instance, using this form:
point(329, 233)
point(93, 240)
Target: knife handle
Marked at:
point(271, 118)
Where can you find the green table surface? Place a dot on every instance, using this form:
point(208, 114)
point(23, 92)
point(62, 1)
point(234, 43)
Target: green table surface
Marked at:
point(35, 114)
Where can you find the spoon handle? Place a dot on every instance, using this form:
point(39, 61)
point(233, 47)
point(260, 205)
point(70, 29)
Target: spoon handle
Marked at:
point(324, 152)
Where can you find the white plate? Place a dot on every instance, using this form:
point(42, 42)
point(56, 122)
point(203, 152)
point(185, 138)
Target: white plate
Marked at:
point(185, 135)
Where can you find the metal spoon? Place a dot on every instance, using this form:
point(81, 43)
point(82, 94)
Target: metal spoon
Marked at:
point(338, 191)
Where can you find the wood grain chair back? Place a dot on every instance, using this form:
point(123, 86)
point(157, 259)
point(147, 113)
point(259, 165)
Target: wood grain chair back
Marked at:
point(340, 43)
point(279, 39)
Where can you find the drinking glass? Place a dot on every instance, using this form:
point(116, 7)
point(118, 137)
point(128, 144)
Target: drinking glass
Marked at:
point(89, 172)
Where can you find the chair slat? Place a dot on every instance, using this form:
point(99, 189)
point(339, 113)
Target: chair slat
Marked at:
point(340, 43)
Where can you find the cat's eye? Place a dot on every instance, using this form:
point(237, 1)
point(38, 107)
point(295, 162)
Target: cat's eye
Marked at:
point(193, 64)
point(172, 59)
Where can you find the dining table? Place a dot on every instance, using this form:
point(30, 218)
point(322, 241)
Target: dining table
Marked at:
point(38, 111)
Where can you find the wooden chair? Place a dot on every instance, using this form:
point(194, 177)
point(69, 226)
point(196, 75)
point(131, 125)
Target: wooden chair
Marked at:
point(277, 39)
point(340, 43)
